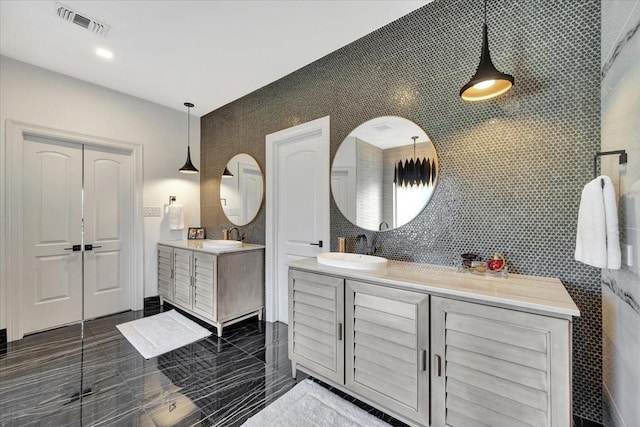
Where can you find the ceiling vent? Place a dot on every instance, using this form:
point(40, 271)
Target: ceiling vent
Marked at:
point(82, 20)
point(382, 127)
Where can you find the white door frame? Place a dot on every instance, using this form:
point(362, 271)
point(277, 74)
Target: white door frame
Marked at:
point(12, 243)
point(273, 140)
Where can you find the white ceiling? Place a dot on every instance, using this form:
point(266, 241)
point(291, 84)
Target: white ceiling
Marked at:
point(389, 131)
point(206, 52)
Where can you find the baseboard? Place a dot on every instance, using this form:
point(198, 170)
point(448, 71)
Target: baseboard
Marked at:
point(613, 410)
point(582, 422)
point(151, 302)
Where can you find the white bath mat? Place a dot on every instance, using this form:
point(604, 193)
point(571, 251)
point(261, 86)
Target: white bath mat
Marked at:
point(161, 333)
point(311, 405)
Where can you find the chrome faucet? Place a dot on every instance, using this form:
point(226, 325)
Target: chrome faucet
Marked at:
point(385, 224)
point(361, 239)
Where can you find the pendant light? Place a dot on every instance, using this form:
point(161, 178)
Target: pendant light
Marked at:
point(188, 166)
point(415, 171)
point(488, 82)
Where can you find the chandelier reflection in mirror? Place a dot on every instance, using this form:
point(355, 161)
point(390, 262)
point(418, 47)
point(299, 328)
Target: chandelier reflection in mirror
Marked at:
point(415, 171)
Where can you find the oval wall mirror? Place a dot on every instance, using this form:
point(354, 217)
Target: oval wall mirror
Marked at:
point(241, 189)
point(384, 173)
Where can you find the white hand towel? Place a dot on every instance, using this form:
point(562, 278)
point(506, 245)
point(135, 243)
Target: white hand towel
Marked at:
point(176, 217)
point(597, 239)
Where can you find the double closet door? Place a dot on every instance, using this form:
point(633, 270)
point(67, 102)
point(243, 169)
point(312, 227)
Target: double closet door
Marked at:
point(77, 204)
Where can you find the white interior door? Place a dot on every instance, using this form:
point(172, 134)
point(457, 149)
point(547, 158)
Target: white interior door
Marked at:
point(52, 271)
point(56, 208)
point(343, 185)
point(250, 181)
point(107, 227)
point(298, 199)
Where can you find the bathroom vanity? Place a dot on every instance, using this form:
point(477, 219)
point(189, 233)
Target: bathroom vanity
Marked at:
point(432, 346)
point(220, 285)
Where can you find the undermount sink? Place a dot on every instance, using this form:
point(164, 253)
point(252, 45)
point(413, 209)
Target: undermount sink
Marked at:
point(352, 261)
point(222, 244)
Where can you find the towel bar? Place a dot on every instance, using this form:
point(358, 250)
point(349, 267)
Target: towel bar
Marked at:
point(621, 160)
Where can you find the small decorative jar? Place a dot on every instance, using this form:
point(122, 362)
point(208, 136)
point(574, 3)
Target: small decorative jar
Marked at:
point(496, 263)
point(468, 258)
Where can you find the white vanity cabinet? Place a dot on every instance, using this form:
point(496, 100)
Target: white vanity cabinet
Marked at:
point(220, 288)
point(204, 285)
point(434, 347)
point(386, 347)
point(165, 272)
point(498, 367)
point(182, 278)
point(378, 336)
point(316, 322)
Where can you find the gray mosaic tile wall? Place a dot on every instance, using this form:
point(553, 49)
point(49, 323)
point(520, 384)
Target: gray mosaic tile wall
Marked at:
point(512, 169)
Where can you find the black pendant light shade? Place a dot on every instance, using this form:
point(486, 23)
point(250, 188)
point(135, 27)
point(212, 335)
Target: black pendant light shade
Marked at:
point(188, 166)
point(227, 172)
point(488, 82)
point(415, 172)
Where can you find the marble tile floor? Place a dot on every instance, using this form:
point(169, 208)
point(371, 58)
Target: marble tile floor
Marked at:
point(213, 382)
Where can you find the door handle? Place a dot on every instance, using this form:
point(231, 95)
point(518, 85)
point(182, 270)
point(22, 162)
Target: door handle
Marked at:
point(91, 247)
point(339, 331)
point(74, 248)
point(423, 360)
point(438, 362)
point(317, 244)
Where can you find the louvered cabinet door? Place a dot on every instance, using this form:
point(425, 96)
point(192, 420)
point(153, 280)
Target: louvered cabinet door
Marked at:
point(316, 319)
point(497, 367)
point(182, 289)
point(386, 347)
point(165, 272)
point(204, 284)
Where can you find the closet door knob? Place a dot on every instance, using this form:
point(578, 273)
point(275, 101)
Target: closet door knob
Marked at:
point(317, 244)
point(74, 248)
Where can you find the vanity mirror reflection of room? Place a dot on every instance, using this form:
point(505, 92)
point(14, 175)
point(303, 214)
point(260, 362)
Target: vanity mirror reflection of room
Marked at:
point(241, 189)
point(384, 173)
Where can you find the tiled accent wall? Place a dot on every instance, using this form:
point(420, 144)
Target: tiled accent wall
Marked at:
point(621, 288)
point(511, 170)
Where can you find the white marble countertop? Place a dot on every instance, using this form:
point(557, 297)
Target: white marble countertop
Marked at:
point(197, 245)
point(534, 294)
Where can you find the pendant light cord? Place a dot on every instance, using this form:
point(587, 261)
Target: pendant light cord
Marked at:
point(188, 127)
point(414, 146)
point(485, 12)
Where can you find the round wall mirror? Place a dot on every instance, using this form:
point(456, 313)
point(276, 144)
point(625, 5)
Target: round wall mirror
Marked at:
point(384, 173)
point(241, 189)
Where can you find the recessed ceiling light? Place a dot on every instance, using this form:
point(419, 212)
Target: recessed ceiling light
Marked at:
point(104, 53)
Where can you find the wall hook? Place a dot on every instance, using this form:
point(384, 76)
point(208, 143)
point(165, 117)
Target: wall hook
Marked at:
point(172, 199)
